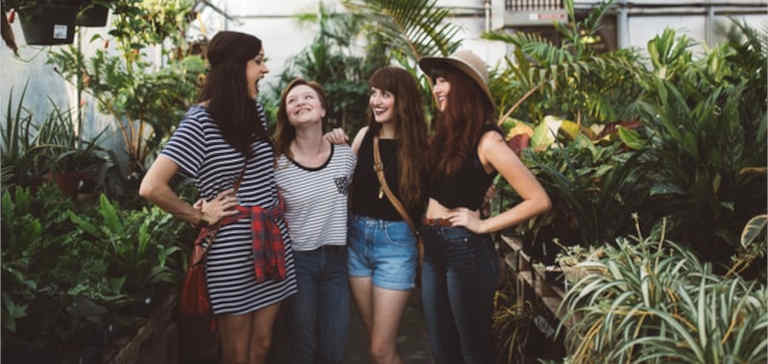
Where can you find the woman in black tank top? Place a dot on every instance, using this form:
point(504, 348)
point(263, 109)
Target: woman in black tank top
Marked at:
point(460, 264)
point(382, 248)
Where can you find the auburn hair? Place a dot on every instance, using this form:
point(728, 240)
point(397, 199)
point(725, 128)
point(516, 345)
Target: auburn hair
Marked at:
point(285, 133)
point(410, 131)
point(458, 128)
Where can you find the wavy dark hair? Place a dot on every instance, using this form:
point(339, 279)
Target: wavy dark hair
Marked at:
point(410, 131)
point(226, 89)
point(458, 128)
point(284, 131)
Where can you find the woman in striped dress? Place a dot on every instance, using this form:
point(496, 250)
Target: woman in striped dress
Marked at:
point(218, 141)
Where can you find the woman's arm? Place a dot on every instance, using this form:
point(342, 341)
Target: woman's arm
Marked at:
point(359, 139)
point(154, 187)
point(495, 153)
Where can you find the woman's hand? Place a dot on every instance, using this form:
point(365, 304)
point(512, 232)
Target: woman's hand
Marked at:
point(337, 136)
point(217, 208)
point(467, 218)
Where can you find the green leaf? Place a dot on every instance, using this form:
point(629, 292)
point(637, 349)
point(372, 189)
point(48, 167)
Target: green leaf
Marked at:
point(631, 138)
point(753, 230)
point(112, 220)
point(84, 224)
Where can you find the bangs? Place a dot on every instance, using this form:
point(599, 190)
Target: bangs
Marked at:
point(384, 79)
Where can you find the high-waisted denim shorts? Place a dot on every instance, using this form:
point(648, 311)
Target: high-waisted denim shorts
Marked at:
point(384, 250)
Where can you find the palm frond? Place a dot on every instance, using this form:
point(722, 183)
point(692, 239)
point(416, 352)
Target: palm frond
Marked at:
point(417, 28)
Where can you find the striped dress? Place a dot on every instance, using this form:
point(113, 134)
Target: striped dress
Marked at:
point(201, 152)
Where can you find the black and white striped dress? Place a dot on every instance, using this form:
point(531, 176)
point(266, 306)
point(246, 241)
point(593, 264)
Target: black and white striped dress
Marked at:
point(201, 152)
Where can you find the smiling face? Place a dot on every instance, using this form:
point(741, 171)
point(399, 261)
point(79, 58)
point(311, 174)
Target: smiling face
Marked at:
point(255, 70)
point(382, 104)
point(441, 89)
point(303, 105)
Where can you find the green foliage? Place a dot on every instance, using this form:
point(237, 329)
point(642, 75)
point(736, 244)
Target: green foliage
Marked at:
point(146, 102)
point(700, 143)
point(413, 28)
point(591, 187)
point(32, 149)
point(65, 268)
point(572, 79)
point(654, 301)
point(20, 163)
point(331, 61)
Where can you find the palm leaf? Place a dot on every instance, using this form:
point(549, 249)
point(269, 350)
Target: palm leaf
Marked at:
point(417, 28)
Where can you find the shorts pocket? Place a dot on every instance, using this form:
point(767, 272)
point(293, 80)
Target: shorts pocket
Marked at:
point(400, 234)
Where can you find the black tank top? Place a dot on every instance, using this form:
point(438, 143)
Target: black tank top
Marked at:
point(467, 186)
point(364, 191)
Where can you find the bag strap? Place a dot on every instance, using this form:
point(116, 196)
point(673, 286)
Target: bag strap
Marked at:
point(378, 166)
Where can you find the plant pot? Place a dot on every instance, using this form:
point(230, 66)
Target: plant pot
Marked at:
point(48, 24)
point(92, 15)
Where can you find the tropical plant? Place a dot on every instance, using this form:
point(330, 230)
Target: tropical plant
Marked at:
point(572, 79)
point(19, 141)
point(753, 246)
point(701, 154)
point(331, 61)
point(590, 184)
point(139, 244)
point(650, 296)
point(411, 28)
point(67, 268)
point(146, 102)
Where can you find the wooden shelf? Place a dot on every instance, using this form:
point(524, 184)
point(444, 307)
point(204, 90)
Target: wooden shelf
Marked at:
point(523, 269)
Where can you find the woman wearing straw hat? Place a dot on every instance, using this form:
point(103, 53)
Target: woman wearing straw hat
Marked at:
point(460, 264)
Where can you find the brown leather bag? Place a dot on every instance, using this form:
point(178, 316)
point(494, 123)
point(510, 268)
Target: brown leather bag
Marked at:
point(378, 166)
point(193, 298)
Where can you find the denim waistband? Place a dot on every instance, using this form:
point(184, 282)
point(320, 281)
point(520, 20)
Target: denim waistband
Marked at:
point(374, 222)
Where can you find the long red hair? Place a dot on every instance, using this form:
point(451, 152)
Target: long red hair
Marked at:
point(458, 128)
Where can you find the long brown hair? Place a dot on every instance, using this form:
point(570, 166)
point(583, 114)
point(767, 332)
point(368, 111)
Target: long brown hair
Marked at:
point(410, 131)
point(226, 89)
point(285, 133)
point(458, 128)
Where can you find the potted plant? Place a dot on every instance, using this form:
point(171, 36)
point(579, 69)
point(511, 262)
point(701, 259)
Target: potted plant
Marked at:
point(47, 22)
point(93, 14)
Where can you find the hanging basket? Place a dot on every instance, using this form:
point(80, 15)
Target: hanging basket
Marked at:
point(92, 15)
point(48, 24)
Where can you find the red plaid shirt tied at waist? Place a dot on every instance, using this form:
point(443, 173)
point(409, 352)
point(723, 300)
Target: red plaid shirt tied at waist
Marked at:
point(266, 239)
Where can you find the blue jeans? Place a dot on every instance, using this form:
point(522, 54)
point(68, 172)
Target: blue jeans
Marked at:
point(320, 309)
point(383, 250)
point(458, 280)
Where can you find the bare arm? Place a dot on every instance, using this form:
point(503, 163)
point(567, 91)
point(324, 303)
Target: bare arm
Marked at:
point(154, 187)
point(495, 154)
point(359, 139)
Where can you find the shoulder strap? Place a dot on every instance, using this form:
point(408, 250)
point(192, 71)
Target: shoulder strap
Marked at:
point(378, 166)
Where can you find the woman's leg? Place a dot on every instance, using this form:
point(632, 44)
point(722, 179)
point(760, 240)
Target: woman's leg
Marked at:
point(362, 292)
point(303, 307)
point(262, 322)
point(443, 335)
point(234, 331)
point(471, 283)
point(388, 308)
point(333, 307)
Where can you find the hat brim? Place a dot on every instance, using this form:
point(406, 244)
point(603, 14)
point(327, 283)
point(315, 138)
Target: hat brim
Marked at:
point(430, 64)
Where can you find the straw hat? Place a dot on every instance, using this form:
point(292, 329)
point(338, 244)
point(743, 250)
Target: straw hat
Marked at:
point(464, 61)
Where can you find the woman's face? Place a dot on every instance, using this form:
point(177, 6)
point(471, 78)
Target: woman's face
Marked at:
point(441, 90)
point(255, 70)
point(382, 104)
point(302, 105)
